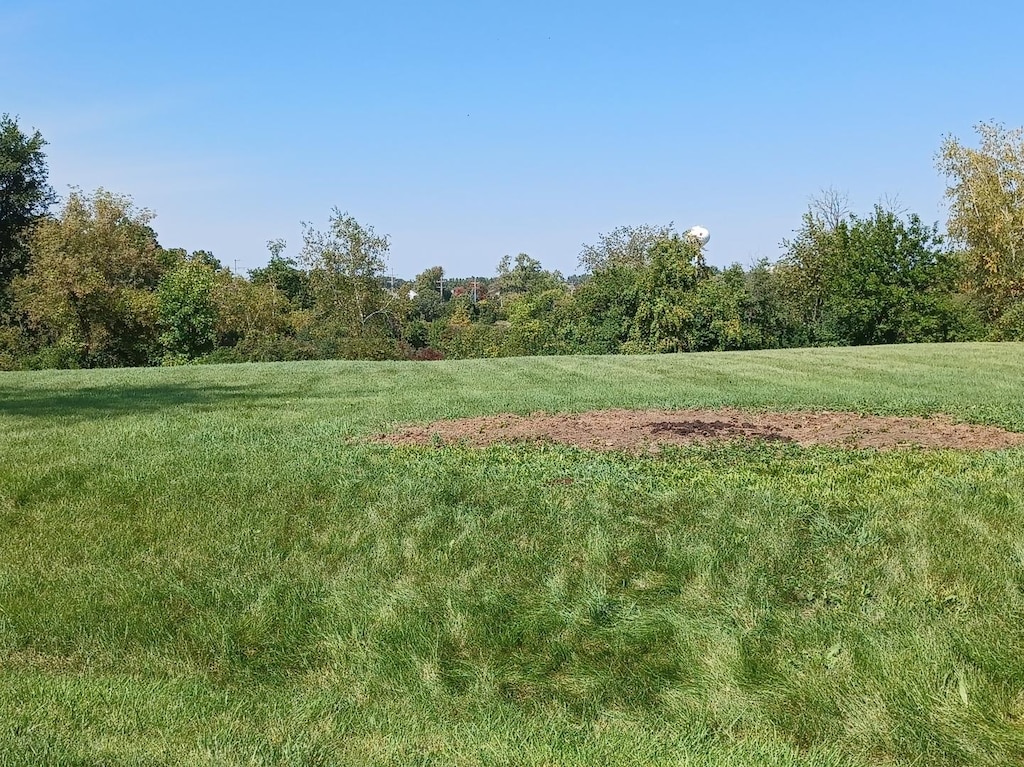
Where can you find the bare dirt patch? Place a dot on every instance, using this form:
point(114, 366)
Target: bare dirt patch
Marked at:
point(647, 430)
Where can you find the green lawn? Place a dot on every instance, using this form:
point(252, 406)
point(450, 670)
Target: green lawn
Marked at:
point(210, 565)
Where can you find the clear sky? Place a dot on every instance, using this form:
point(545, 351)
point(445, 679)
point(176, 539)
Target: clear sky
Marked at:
point(470, 130)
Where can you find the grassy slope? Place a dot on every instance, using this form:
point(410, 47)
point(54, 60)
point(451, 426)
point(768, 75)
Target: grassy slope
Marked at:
point(205, 565)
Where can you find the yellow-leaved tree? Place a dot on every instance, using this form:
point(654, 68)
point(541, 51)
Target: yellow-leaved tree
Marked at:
point(88, 294)
point(985, 188)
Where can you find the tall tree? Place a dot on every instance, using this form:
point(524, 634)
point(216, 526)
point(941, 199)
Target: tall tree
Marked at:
point(284, 275)
point(25, 195)
point(985, 187)
point(257, 321)
point(187, 312)
point(665, 312)
point(626, 246)
point(811, 258)
point(772, 307)
point(427, 300)
point(88, 292)
point(872, 280)
point(356, 316)
point(525, 275)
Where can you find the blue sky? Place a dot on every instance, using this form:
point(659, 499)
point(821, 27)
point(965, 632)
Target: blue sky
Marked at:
point(470, 130)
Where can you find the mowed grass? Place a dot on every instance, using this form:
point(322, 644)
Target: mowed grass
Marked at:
point(213, 566)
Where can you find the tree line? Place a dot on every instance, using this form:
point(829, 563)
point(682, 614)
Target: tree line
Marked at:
point(86, 283)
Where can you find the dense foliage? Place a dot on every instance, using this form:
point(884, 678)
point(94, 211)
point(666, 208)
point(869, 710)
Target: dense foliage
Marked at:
point(91, 286)
point(986, 194)
point(25, 195)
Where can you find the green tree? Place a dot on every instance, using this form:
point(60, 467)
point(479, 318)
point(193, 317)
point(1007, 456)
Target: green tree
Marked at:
point(285, 275)
point(257, 322)
point(717, 318)
point(427, 301)
point(665, 309)
point(187, 312)
point(429, 280)
point(635, 297)
point(626, 246)
point(354, 316)
point(772, 315)
point(537, 324)
point(811, 258)
point(25, 196)
point(985, 188)
point(88, 296)
point(525, 275)
point(605, 305)
point(873, 280)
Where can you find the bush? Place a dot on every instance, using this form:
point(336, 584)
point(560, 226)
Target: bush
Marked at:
point(59, 355)
point(12, 348)
point(1010, 326)
point(428, 354)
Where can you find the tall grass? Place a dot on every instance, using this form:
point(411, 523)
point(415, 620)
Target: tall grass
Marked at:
point(212, 566)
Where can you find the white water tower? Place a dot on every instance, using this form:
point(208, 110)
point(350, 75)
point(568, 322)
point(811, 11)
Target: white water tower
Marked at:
point(699, 234)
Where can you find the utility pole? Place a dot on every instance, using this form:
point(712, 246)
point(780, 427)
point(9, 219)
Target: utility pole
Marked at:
point(440, 283)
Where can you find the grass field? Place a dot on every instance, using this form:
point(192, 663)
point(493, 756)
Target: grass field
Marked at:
point(211, 566)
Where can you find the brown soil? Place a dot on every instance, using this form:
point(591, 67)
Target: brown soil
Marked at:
point(646, 430)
